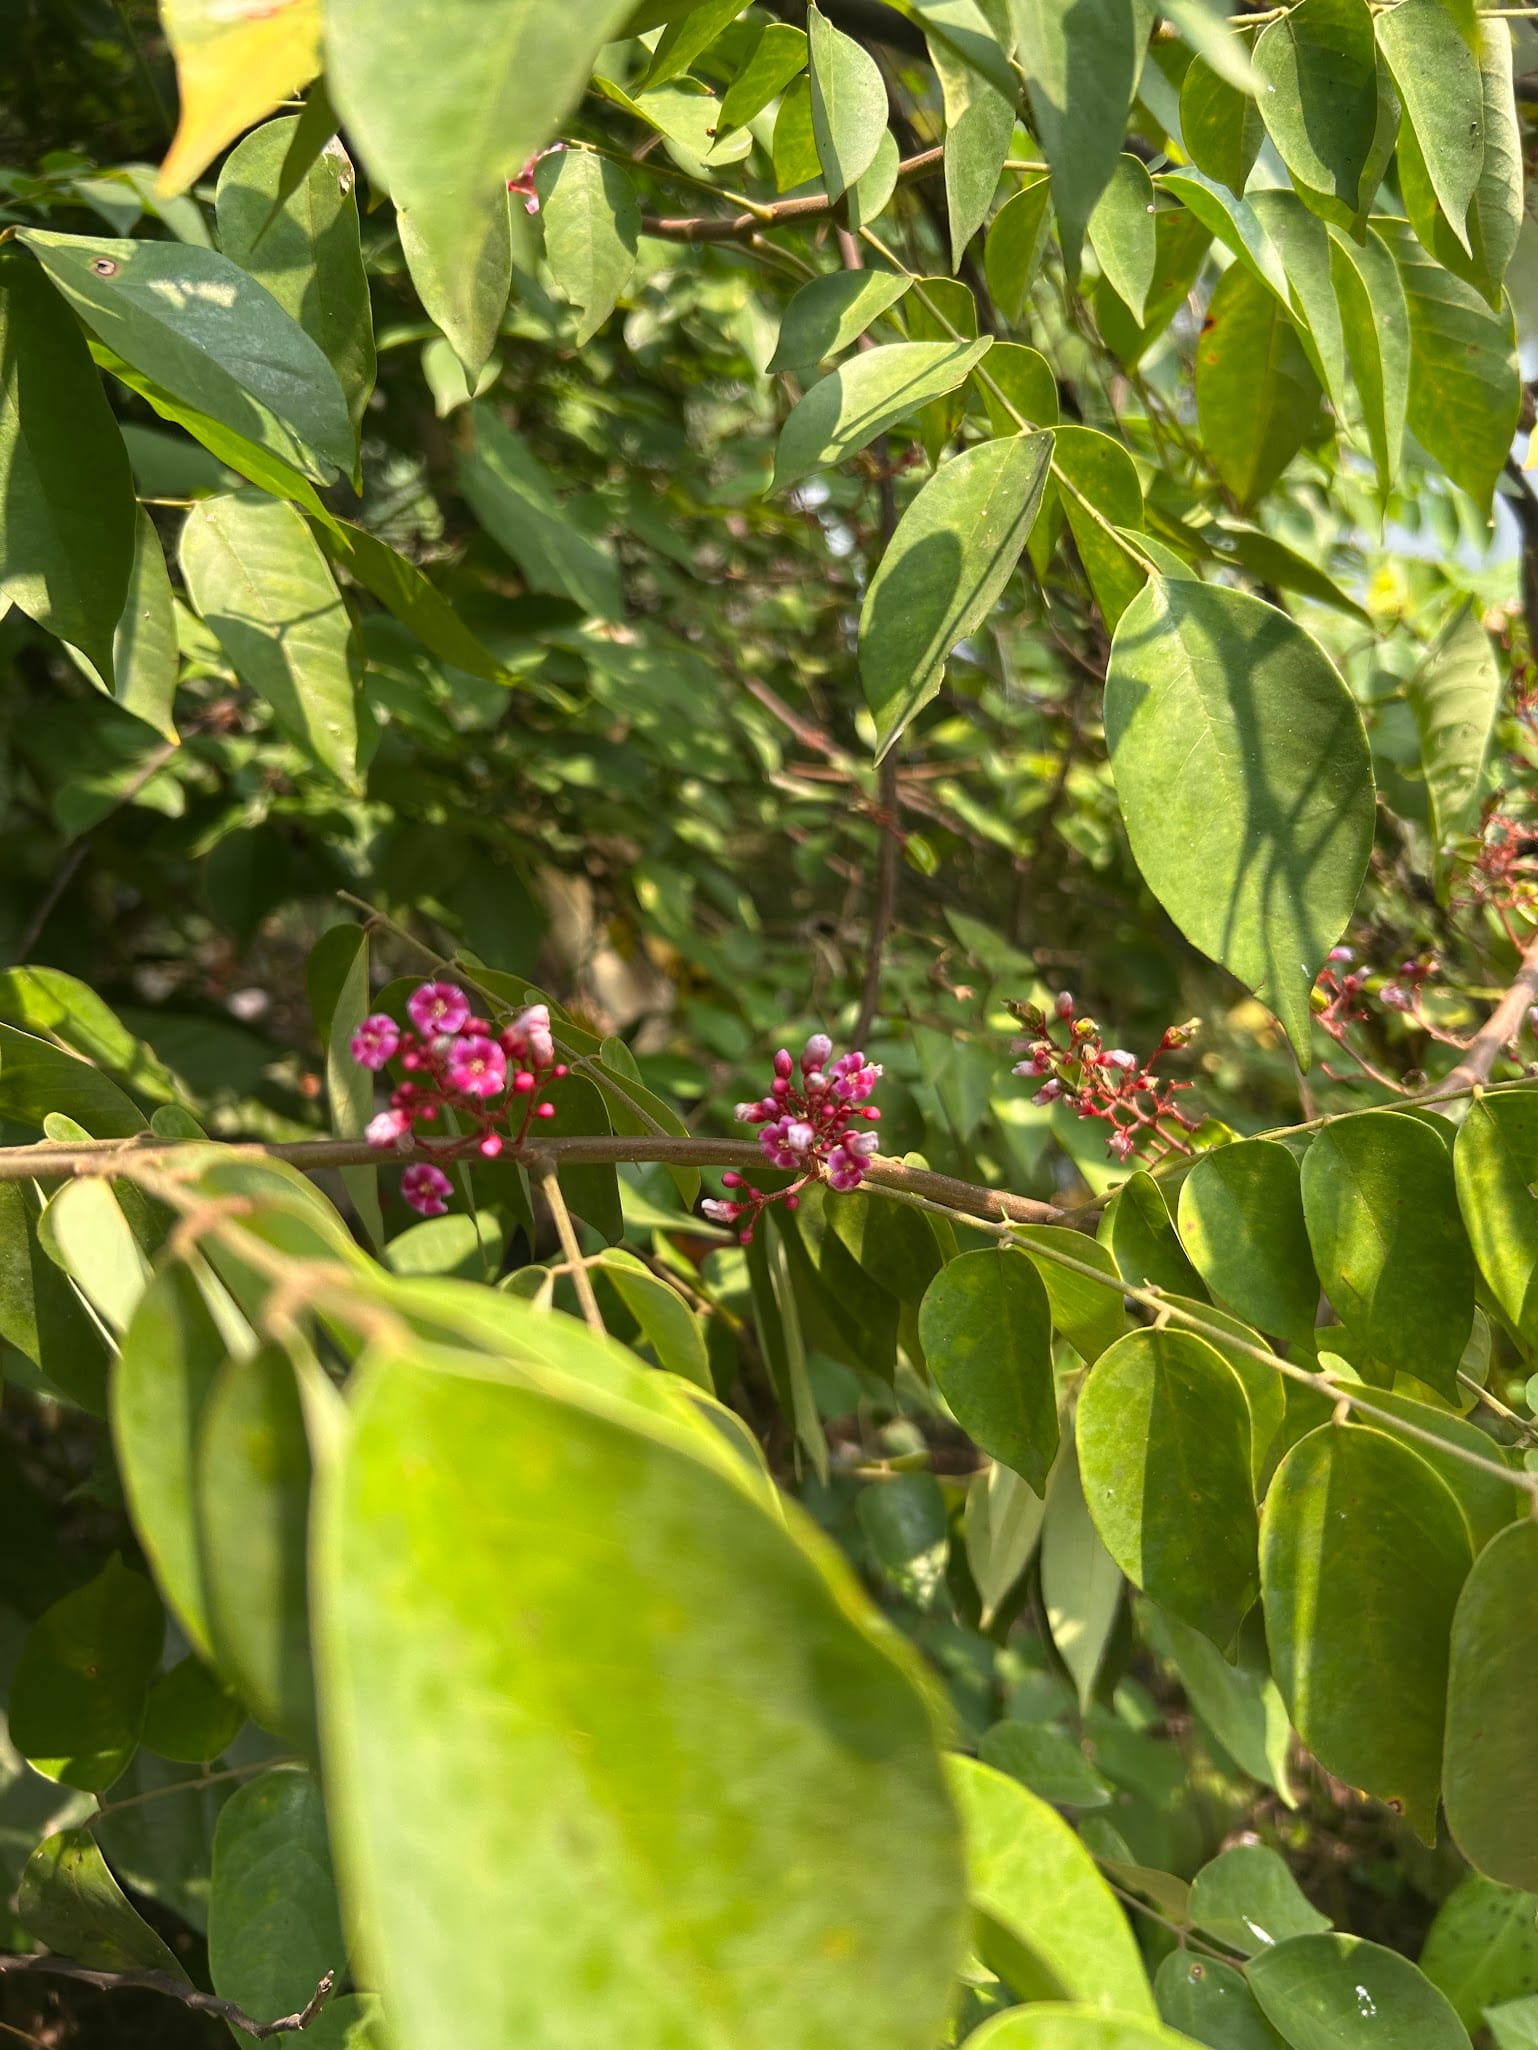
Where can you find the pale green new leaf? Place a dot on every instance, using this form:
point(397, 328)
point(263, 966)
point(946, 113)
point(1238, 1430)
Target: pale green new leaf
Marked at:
point(944, 570)
point(852, 405)
point(776, 58)
point(592, 227)
point(1258, 849)
point(258, 579)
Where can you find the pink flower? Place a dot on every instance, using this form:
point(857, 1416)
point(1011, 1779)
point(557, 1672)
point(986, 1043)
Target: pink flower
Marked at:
point(719, 1212)
point(528, 1038)
point(1049, 1092)
point(439, 1007)
point(478, 1066)
point(1396, 998)
point(818, 1047)
point(375, 1041)
point(1121, 1143)
point(388, 1129)
point(1064, 1004)
point(425, 1187)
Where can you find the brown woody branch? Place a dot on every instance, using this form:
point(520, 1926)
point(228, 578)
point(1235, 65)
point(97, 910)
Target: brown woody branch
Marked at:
point(177, 1989)
point(742, 227)
point(1499, 1029)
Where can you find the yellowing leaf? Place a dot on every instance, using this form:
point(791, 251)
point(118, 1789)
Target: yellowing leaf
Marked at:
point(235, 61)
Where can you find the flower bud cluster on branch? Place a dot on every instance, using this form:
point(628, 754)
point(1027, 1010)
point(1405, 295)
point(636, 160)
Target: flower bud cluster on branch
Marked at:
point(1106, 1082)
point(811, 1124)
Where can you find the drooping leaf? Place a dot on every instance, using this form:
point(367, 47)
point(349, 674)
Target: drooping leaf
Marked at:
point(69, 1900)
point(233, 65)
point(67, 512)
point(488, 91)
point(1375, 329)
point(1436, 74)
point(944, 570)
point(1320, 64)
point(1221, 125)
point(513, 496)
point(37, 1079)
point(1121, 233)
point(84, 1227)
point(1488, 1785)
point(1454, 693)
point(307, 252)
point(1363, 1551)
point(777, 57)
point(1099, 493)
point(41, 1314)
point(592, 227)
point(986, 1328)
point(893, 1244)
point(668, 1325)
point(257, 577)
point(1495, 1164)
point(77, 1698)
point(1319, 1990)
point(1390, 1247)
point(273, 1922)
point(1050, 1920)
point(406, 591)
point(1495, 214)
point(1143, 1241)
point(1080, 62)
point(211, 336)
point(1012, 252)
point(979, 124)
point(252, 1487)
point(1001, 1527)
point(1465, 385)
point(1164, 1454)
point(872, 392)
point(1181, 242)
point(463, 291)
point(1256, 396)
point(1241, 1221)
point(144, 652)
point(1081, 1584)
point(687, 36)
point(477, 1569)
point(1259, 849)
point(1240, 1703)
point(849, 107)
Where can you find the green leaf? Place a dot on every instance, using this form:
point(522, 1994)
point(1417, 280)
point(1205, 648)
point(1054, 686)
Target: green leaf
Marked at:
point(1259, 848)
point(513, 496)
point(1320, 65)
point(1363, 1550)
point(1088, 1315)
point(46, 1000)
point(1209, 2002)
point(1257, 398)
point(687, 113)
point(1204, 25)
point(1143, 1241)
point(1488, 1503)
point(273, 1923)
point(1482, 1949)
point(1495, 215)
point(1001, 1526)
point(464, 291)
point(872, 392)
point(775, 59)
point(1492, 1801)
point(688, 36)
point(1012, 252)
point(777, 1323)
point(40, 1313)
point(795, 147)
point(1221, 125)
point(1390, 1247)
point(1454, 694)
point(1495, 1164)
point(1241, 1221)
point(260, 582)
point(211, 336)
point(1241, 1703)
point(77, 1698)
point(1164, 1453)
point(71, 1902)
point(973, 32)
point(668, 1325)
point(190, 1715)
point(893, 1244)
point(306, 251)
point(416, 603)
point(1181, 242)
point(1318, 1990)
point(1049, 1918)
point(1081, 60)
point(986, 1328)
point(979, 126)
point(1071, 2028)
point(1514, 2024)
point(1248, 1899)
point(1097, 488)
point(144, 653)
point(1375, 329)
point(171, 1355)
point(337, 982)
point(1465, 384)
point(944, 570)
point(83, 1226)
point(252, 1486)
point(487, 93)
point(830, 312)
point(669, 1809)
point(1121, 233)
point(904, 1523)
point(67, 513)
point(1436, 74)
point(1081, 1583)
point(849, 107)
point(36, 1079)
point(592, 229)
point(1048, 1762)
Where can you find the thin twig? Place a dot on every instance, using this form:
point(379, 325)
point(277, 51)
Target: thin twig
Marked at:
point(737, 227)
point(1498, 1030)
point(566, 1232)
point(178, 1989)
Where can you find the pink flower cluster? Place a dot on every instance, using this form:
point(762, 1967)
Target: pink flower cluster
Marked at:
point(1105, 1082)
point(460, 1063)
point(810, 1124)
point(1344, 995)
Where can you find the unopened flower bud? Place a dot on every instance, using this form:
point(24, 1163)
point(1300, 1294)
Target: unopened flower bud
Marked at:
point(818, 1048)
point(1064, 1004)
point(1394, 997)
point(784, 1066)
point(1049, 1092)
